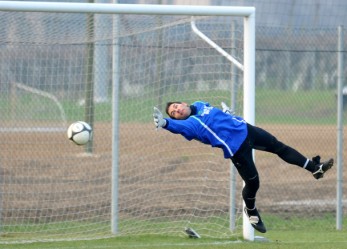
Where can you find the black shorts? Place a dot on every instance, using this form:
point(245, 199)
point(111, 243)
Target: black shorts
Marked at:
point(258, 139)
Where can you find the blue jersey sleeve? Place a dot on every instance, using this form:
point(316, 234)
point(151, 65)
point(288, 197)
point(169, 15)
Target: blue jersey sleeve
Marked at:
point(183, 127)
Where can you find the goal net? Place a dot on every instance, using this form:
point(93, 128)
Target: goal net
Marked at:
point(110, 70)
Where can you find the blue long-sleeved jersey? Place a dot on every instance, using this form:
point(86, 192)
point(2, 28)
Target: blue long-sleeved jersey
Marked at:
point(211, 126)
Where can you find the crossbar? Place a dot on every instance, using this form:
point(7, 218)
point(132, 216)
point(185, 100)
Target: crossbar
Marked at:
point(101, 8)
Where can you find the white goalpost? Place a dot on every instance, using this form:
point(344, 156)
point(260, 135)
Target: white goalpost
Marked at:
point(110, 72)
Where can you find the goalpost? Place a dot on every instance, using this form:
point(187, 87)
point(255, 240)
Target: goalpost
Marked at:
point(133, 57)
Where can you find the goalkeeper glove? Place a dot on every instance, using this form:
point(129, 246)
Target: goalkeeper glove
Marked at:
point(159, 121)
point(226, 109)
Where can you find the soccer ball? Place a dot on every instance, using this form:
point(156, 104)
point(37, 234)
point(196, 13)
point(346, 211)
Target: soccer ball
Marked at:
point(79, 132)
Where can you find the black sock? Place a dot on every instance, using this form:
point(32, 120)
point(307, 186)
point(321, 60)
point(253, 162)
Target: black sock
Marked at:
point(311, 166)
point(250, 203)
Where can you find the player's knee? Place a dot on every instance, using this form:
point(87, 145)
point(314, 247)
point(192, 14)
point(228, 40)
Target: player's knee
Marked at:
point(278, 147)
point(282, 150)
point(254, 183)
point(251, 186)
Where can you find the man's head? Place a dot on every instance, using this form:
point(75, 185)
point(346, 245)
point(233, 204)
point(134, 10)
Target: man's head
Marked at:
point(178, 110)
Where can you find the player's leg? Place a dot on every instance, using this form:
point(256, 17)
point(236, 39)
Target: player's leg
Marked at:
point(243, 161)
point(249, 175)
point(263, 140)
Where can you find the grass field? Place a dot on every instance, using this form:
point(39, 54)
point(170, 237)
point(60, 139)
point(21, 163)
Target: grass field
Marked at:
point(293, 234)
point(300, 107)
point(276, 239)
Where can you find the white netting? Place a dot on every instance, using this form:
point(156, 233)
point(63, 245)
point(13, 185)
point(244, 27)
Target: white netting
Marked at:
point(56, 69)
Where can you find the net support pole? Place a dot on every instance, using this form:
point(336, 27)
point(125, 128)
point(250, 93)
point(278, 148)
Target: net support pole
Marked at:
point(233, 172)
point(214, 45)
point(339, 173)
point(115, 125)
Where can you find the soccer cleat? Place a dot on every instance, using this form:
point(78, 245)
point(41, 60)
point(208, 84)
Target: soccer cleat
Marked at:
point(321, 168)
point(255, 220)
point(191, 233)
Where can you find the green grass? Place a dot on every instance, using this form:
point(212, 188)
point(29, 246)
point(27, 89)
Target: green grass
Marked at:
point(272, 106)
point(302, 107)
point(282, 233)
point(276, 239)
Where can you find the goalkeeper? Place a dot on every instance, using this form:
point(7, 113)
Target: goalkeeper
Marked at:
point(237, 138)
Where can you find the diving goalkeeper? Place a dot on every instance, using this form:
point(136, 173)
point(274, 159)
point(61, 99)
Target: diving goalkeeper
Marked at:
point(237, 138)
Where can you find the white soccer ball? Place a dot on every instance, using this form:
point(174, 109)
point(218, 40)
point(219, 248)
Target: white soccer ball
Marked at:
point(79, 132)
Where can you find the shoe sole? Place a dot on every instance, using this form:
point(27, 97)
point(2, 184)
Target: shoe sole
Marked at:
point(260, 228)
point(328, 165)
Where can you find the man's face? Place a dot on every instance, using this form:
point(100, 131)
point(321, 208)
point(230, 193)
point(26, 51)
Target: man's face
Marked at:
point(179, 110)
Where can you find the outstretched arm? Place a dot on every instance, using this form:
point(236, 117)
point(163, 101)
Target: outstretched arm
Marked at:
point(184, 127)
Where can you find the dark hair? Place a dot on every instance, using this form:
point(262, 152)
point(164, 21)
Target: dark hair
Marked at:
point(168, 105)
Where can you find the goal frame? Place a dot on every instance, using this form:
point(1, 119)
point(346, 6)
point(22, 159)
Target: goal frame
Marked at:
point(248, 13)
